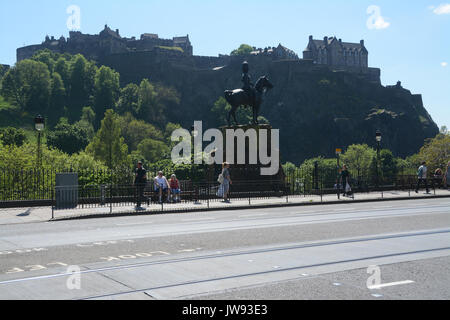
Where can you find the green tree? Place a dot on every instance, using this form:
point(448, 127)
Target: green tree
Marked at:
point(27, 85)
point(106, 90)
point(135, 131)
point(82, 75)
point(244, 49)
point(108, 145)
point(12, 137)
point(57, 99)
point(153, 150)
point(47, 57)
point(86, 122)
point(359, 157)
point(67, 138)
point(149, 107)
point(128, 101)
point(436, 151)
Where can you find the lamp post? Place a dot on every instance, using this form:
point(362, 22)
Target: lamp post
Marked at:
point(39, 124)
point(194, 135)
point(378, 139)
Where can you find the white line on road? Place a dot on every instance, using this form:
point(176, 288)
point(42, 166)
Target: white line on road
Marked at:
point(133, 224)
point(193, 220)
point(390, 284)
point(253, 215)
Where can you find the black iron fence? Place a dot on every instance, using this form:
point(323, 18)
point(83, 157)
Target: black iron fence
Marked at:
point(37, 187)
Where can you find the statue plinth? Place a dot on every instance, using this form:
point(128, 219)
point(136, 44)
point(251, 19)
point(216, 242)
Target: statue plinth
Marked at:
point(250, 173)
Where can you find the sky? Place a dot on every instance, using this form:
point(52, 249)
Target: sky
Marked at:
point(408, 40)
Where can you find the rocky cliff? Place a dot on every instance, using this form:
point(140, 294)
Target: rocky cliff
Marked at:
point(316, 108)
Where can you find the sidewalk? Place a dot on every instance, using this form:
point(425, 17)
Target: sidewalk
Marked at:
point(44, 214)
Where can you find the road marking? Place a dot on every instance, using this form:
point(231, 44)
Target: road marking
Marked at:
point(133, 224)
point(253, 215)
point(193, 220)
point(390, 284)
point(22, 251)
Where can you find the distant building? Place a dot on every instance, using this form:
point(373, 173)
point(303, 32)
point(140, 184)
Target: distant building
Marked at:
point(107, 42)
point(277, 53)
point(334, 52)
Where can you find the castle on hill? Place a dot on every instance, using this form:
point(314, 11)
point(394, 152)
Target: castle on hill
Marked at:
point(107, 42)
point(330, 51)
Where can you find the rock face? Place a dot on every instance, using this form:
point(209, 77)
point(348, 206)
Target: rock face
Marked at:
point(316, 108)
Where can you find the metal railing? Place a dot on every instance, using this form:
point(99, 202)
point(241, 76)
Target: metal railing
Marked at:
point(37, 187)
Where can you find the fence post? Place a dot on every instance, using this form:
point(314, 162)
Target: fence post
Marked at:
point(53, 206)
point(209, 192)
point(110, 199)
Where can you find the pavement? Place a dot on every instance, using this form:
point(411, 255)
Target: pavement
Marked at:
point(42, 214)
point(357, 250)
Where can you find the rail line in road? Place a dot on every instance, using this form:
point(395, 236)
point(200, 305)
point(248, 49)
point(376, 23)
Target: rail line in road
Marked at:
point(257, 251)
point(264, 273)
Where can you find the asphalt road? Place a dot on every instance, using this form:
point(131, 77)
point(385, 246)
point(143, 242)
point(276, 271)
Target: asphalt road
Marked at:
point(318, 252)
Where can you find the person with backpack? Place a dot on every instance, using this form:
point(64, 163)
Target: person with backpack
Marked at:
point(225, 182)
point(422, 177)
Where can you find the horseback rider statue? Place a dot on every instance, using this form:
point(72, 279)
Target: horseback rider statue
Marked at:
point(249, 95)
point(248, 85)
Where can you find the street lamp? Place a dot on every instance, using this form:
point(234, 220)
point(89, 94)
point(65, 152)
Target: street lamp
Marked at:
point(378, 139)
point(39, 124)
point(194, 132)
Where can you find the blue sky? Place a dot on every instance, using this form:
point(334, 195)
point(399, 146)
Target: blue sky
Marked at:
point(409, 41)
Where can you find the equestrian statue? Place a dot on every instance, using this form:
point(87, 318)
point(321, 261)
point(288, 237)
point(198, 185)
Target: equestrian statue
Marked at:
point(248, 96)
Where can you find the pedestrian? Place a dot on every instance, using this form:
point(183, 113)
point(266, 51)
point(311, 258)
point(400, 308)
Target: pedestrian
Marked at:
point(345, 181)
point(225, 182)
point(161, 186)
point(447, 176)
point(140, 181)
point(438, 178)
point(175, 190)
point(422, 177)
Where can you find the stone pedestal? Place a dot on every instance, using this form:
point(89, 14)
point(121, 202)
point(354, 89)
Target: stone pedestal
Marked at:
point(250, 174)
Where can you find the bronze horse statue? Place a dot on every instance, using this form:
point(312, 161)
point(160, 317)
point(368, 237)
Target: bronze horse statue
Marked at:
point(239, 97)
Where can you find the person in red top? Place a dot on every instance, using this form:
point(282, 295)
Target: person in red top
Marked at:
point(175, 190)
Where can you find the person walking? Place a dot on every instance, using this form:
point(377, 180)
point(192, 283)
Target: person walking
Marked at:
point(447, 176)
point(140, 180)
point(422, 177)
point(345, 181)
point(225, 182)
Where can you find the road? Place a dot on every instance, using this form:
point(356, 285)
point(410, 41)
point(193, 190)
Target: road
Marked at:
point(317, 252)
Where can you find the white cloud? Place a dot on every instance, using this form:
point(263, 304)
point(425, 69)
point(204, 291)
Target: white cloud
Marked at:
point(442, 9)
point(444, 64)
point(376, 20)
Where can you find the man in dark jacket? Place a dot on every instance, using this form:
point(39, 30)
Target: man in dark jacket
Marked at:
point(140, 181)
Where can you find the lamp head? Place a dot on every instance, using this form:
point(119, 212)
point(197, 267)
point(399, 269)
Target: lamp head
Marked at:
point(39, 123)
